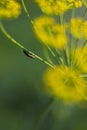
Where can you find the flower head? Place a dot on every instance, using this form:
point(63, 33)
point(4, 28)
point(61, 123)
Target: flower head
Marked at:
point(9, 9)
point(49, 32)
point(58, 6)
point(78, 28)
point(66, 83)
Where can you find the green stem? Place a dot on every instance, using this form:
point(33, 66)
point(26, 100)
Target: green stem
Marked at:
point(84, 44)
point(84, 15)
point(31, 21)
point(43, 114)
point(83, 75)
point(26, 12)
point(21, 46)
point(9, 37)
point(65, 50)
point(66, 54)
point(61, 19)
point(74, 50)
point(60, 58)
point(71, 40)
point(53, 54)
point(25, 9)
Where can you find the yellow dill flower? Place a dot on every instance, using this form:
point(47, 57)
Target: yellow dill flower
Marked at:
point(80, 59)
point(52, 6)
point(75, 3)
point(78, 3)
point(58, 6)
point(49, 32)
point(9, 9)
point(78, 28)
point(65, 83)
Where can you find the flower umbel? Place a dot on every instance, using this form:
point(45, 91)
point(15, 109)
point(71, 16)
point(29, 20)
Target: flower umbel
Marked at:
point(49, 32)
point(78, 28)
point(9, 9)
point(66, 83)
point(58, 6)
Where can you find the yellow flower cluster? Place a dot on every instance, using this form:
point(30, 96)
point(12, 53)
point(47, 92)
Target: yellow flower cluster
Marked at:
point(75, 3)
point(54, 34)
point(58, 6)
point(67, 78)
point(78, 28)
point(69, 82)
point(66, 83)
point(49, 32)
point(9, 9)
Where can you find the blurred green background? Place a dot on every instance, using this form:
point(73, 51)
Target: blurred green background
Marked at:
point(22, 95)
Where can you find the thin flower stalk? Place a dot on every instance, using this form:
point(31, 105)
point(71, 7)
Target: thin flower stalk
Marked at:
point(21, 46)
